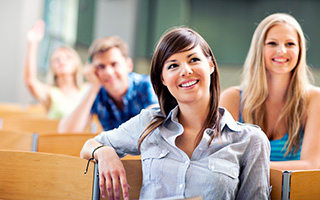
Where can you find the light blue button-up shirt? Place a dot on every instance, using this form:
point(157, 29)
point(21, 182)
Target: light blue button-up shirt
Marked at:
point(233, 166)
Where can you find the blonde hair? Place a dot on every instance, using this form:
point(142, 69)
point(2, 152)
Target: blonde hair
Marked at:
point(255, 88)
point(78, 78)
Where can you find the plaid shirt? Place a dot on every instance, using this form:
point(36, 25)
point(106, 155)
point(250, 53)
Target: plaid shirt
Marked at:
point(140, 95)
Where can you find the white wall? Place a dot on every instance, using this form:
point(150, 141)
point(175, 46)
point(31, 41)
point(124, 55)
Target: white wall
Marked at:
point(116, 17)
point(16, 17)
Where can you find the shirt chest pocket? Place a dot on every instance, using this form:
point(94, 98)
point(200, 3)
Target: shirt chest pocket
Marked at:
point(153, 162)
point(224, 168)
point(223, 176)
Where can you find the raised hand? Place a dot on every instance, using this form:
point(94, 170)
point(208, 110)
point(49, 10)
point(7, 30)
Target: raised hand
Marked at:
point(36, 33)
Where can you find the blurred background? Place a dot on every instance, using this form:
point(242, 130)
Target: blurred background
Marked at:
point(227, 25)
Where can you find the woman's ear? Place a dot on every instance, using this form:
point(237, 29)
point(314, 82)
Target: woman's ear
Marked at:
point(212, 66)
point(163, 82)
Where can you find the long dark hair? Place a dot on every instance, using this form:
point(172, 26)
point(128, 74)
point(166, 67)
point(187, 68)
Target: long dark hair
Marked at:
point(177, 40)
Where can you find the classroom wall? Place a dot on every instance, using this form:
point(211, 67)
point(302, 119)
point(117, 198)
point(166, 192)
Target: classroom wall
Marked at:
point(116, 18)
point(16, 16)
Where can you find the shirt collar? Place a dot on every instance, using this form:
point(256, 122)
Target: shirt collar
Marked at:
point(227, 120)
point(173, 115)
point(171, 125)
point(174, 128)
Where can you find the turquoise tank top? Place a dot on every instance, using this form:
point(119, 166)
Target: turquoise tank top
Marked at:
point(277, 151)
point(277, 146)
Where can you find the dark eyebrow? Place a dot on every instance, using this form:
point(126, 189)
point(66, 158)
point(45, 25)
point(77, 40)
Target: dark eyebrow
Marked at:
point(188, 56)
point(191, 55)
point(170, 61)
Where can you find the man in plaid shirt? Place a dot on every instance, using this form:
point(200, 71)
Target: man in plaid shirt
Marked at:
point(115, 94)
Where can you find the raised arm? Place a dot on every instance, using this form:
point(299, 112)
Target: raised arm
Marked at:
point(78, 120)
point(38, 89)
point(112, 174)
point(310, 147)
point(230, 99)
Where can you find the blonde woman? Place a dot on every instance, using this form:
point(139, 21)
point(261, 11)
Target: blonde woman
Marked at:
point(60, 97)
point(276, 95)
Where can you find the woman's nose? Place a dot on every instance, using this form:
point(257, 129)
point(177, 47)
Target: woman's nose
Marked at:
point(282, 49)
point(185, 70)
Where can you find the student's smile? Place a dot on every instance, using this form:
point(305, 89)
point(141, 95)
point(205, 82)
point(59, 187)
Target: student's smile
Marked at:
point(189, 84)
point(281, 50)
point(187, 75)
point(112, 69)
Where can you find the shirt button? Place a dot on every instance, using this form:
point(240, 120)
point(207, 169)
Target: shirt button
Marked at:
point(200, 149)
point(161, 154)
point(181, 186)
point(212, 167)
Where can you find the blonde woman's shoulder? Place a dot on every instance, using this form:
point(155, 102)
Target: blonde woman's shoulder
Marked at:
point(230, 99)
point(312, 123)
point(313, 91)
point(313, 95)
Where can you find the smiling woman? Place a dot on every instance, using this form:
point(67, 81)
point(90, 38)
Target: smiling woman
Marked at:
point(281, 49)
point(200, 143)
point(186, 76)
point(276, 95)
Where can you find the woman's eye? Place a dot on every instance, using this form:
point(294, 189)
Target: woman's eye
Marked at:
point(172, 66)
point(291, 44)
point(271, 43)
point(194, 60)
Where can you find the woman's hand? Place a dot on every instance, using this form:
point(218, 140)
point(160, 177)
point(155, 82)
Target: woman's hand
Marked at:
point(36, 33)
point(112, 174)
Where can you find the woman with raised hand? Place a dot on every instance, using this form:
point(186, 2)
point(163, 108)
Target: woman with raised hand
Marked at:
point(189, 146)
point(65, 65)
point(276, 95)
